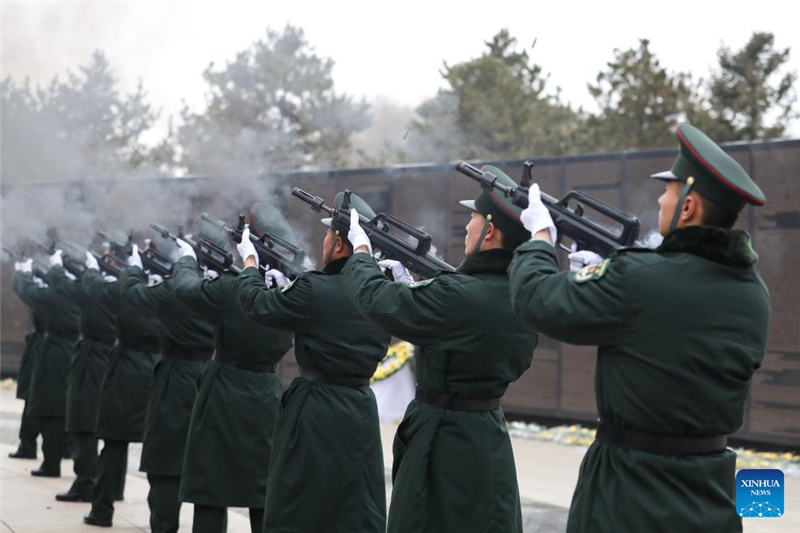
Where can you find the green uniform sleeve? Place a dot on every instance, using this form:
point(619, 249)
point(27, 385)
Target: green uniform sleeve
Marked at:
point(417, 313)
point(74, 290)
point(202, 295)
point(133, 285)
point(98, 289)
point(585, 307)
point(288, 308)
point(31, 294)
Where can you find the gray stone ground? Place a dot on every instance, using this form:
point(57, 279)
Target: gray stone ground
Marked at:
point(546, 473)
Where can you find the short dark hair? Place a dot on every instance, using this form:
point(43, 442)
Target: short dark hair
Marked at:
point(509, 241)
point(342, 236)
point(714, 215)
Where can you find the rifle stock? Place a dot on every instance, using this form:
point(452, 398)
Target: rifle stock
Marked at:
point(417, 258)
point(271, 249)
point(208, 253)
point(571, 222)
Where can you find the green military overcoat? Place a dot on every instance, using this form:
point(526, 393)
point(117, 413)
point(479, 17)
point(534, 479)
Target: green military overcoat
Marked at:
point(326, 472)
point(48, 388)
point(33, 342)
point(128, 379)
point(89, 356)
point(680, 331)
point(453, 471)
point(237, 407)
point(188, 343)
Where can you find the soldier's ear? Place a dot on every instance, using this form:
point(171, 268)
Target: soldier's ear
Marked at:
point(691, 208)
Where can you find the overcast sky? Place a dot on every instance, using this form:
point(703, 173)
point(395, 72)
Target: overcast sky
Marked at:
point(384, 49)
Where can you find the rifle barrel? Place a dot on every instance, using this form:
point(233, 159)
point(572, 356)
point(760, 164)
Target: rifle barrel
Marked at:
point(316, 203)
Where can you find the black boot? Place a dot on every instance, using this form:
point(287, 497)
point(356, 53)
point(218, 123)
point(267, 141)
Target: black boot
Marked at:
point(92, 520)
point(41, 472)
point(70, 496)
point(19, 454)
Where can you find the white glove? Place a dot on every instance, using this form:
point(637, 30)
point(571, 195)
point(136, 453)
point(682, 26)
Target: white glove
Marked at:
point(210, 274)
point(185, 249)
point(91, 262)
point(154, 279)
point(134, 260)
point(536, 217)
point(357, 236)
point(273, 275)
point(24, 266)
point(40, 283)
point(70, 276)
point(110, 279)
point(579, 259)
point(246, 248)
point(55, 259)
point(399, 271)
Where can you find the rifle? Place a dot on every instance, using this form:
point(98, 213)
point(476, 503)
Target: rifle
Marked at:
point(108, 264)
point(208, 253)
point(115, 258)
point(272, 250)
point(119, 251)
point(71, 265)
point(570, 222)
point(154, 261)
point(37, 270)
point(416, 258)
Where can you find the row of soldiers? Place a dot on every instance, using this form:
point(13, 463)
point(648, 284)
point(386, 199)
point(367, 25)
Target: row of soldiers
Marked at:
point(680, 330)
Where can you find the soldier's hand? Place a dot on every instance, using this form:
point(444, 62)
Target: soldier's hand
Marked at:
point(110, 278)
point(536, 217)
point(274, 277)
point(24, 266)
point(134, 260)
point(55, 259)
point(40, 283)
point(357, 236)
point(91, 262)
point(185, 249)
point(399, 272)
point(70, 276)
point(209, 273)
point(246, 248)
point(579, 259)
point(154, 279)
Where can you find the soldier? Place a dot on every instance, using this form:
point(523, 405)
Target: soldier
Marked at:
point(680, 330)
point(29, 426)
point(326, 470)
point(453, 465)
point(89, 362)
point(48, 389)
point(234, 417)
point(124, 390)
point(188, 343)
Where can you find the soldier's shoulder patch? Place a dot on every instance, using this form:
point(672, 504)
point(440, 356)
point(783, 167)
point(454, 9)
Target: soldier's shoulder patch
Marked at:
point(592, 272)
point(420, 283)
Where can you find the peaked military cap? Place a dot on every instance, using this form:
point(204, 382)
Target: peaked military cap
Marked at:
point(165, 246)
point(717, 176)
point(503, 213)
point(266, 218)
point(205, 230)
point(356, 201)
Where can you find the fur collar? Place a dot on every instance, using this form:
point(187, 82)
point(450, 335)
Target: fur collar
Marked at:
point(335, 267)
point(494, 261)
point(725, 246)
